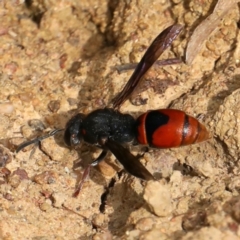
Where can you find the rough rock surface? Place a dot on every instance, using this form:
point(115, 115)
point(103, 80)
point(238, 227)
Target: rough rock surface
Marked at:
point(57, 59)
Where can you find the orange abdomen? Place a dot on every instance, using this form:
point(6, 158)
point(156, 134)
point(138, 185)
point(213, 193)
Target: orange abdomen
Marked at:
point(167, 128)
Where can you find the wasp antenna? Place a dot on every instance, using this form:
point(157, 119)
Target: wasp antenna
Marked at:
point(37, 140)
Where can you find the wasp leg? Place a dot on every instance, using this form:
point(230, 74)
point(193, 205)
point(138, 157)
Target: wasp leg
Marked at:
point(87, 171)
point(131, 66)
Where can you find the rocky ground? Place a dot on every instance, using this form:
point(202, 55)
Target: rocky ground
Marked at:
point(58, 58)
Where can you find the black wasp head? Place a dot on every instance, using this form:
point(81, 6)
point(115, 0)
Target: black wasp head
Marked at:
point(73, 135)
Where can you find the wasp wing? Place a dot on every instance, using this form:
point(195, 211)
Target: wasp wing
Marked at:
point(130, 162)
point(158, 46)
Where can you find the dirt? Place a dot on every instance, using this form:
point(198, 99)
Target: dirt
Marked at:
point(58, 58)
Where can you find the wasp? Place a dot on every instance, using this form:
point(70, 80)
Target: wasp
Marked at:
point(110, 129)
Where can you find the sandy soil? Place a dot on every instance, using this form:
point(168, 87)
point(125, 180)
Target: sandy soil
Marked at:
point(57, 59)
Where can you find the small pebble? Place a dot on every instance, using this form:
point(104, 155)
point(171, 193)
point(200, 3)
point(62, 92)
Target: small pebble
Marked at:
point(6, 108)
